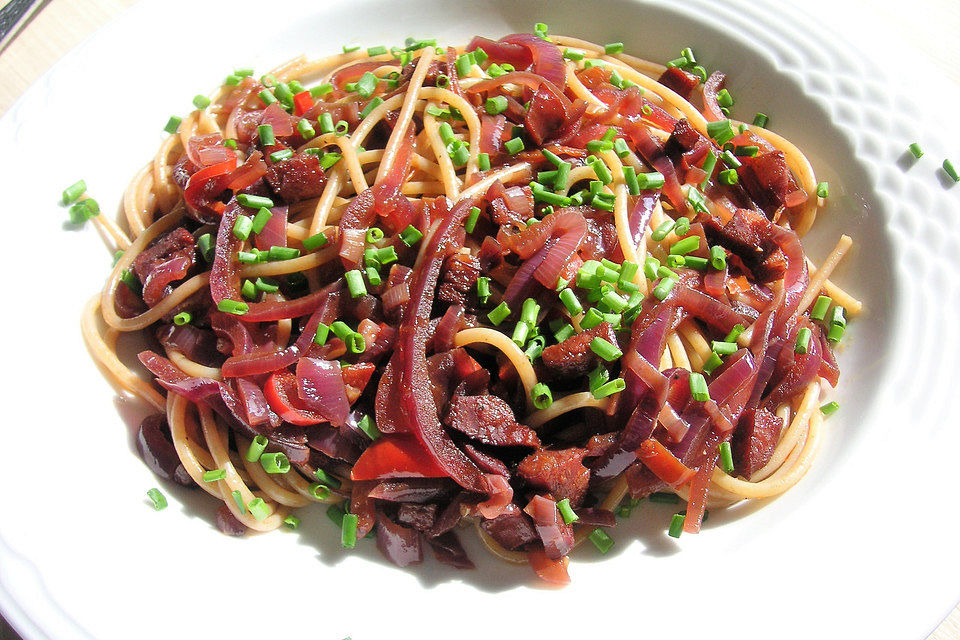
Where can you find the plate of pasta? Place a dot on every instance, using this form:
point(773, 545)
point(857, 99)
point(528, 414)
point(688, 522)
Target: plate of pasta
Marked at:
point(511, 314)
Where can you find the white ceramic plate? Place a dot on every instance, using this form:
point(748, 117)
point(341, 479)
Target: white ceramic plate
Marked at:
point(865, 546)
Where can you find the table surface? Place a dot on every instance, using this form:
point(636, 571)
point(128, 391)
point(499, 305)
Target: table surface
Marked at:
point(926, 33)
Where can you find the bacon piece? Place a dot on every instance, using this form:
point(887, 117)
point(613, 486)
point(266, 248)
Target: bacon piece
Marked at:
point(769, 181)
point(512, 529)
point(560, 472)
point(458, 277)
point(297, 178)
point(489, 420)
point(681, 82)
point(169, 259)
point(573, 357)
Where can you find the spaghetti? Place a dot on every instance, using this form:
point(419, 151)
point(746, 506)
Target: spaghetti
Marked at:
point(526, 283)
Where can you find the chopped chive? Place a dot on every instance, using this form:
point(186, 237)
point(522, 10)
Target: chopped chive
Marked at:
point(723, 348)
point(663, 230)
point(729, 177)
point(803, 340)
point(242, 227)
point(570, 301)
point(724, 99)
point(514, 145)
point(367, 84)
point(275, 463)
point(698, 387)
point(823, 189)
point(730, 160)
point(259, 221)
point(685, 246)
point(535, 348)
point(520, 334)
point(720, 131)
point(318, 491)
point(233, 306)
point(292, 522)
point(355, 283)
point(280, 155)
point(282, 253)
point(718, 257)
point(591, 319)
point(386, 255)
point(214, 474)
point(604, 349)
point(483, 161)
point(182, 318)
point(321, 334)
point(341, 329)
point(495, 105)
point(609, 388)
point(483, 289)
point(410, 236)
point(726, 458)
point(376, 51)
point(266, 97)
point(603, 173)
point(459, 153)
point(620, 148)
point(829, 408)
point(464, 64)
point(173, 124)
point(355, 342)
point(315, 242)
point(761, 119)
point(820, 307)
point(306, 129)
point(258, 509)
point(676, 525)
point(201, 101)
point(566, 511)
point(373, 104)
point(499, 314)
point(541, 396)
point(735, 333)
point(748, 151)
point(529, 312)
point(663, 289)
point(564, 332)
point(712, 363)
point(248, 290)
point(601, 540)
point(951, 170)
point(350, 49)
point(256, 448)
point(612, 48)
point(916, 150)
point(158, 499)
point(374, 235)
point(72, 193)
point(573, 54)
point(327, 478)
point(369, 427)
point(650, 267)
point(321, 90)
point(348, 532)
point(238, 499)
point(265, 135)
point(256, 202)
